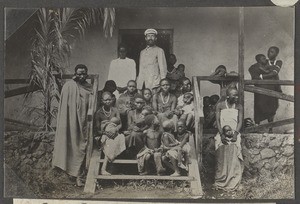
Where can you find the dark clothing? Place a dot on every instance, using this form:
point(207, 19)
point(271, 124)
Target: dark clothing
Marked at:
point(265, 107)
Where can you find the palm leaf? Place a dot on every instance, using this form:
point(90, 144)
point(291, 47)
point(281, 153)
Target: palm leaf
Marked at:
point(51, 50)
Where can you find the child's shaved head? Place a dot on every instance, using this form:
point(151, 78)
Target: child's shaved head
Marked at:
point(168, 125)
point(261, 58)
point(227, 130)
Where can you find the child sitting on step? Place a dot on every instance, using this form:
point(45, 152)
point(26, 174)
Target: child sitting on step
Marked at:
point(152, 141)
point(179, 154)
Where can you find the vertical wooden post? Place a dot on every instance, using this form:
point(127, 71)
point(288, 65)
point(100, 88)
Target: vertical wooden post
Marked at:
point(198, 115)
point(241, 56)
point(90, 120)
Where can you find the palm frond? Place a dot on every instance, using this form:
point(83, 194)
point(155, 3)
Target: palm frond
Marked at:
point(50, 53)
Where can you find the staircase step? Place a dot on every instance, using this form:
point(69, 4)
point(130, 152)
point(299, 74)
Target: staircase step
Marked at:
point(122, 161)
point(144, 177)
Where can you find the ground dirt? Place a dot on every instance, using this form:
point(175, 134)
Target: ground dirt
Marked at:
point(29, 174)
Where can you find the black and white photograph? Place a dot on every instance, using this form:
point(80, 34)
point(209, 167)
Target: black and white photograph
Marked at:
point(149, 103)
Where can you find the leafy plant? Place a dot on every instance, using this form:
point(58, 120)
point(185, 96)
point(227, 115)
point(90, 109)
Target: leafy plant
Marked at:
point(57, 29)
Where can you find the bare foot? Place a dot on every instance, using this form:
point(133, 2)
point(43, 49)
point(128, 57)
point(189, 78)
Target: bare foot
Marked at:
point(161, 170)
point(105, 173)
point(79, 182)
point(144, 173)
point(175, 174)
point(182, 166)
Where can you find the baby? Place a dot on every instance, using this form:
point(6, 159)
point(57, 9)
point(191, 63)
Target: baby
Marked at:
point(262, 62)
point(188, 109)
point(109, 128)
point(112, 143)
point(228, 135)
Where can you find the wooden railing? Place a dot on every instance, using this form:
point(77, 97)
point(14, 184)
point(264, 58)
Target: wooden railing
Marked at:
point(247, 86)
point(267, 92)
point(90, 122)
point(198, 121)
point(32, 88)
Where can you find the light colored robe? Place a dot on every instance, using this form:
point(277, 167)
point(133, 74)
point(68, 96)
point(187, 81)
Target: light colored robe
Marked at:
point(121, 71)
point(153, 67)
point(71, 130)
point(229, 167)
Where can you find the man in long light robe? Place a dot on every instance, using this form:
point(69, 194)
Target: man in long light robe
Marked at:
point(71, 130)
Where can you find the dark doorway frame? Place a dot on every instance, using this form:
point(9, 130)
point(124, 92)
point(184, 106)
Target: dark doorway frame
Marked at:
point(161, 33)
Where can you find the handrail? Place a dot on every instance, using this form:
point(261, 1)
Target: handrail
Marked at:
point(198, 115)
point(273, 82)
point(26, 81)
point(90, 118)
point(268, 92)
point(216, 78)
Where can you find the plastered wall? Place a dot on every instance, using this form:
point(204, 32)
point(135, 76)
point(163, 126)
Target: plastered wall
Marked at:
point(203, 38)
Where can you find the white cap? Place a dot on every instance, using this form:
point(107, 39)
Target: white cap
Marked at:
point(150, 31)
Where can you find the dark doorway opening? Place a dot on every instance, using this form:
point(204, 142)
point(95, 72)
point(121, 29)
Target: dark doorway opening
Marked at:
point(134, 39)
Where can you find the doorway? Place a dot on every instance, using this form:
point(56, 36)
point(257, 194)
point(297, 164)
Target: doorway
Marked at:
point(134, 39)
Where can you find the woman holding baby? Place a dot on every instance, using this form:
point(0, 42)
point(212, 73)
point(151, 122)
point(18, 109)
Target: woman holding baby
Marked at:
point(108, 124)
point(265, 107)
point(229, 165)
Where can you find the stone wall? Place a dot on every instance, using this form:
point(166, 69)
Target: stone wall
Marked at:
point(264, 154)
point(268, 154)
point(29, 155)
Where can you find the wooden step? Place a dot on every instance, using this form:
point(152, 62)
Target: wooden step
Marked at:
point(122, 161)
point(145, 177)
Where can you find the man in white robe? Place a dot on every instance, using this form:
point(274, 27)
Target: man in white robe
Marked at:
point(122, 70)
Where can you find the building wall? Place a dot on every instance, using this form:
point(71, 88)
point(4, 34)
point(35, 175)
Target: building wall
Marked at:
point(203, 39)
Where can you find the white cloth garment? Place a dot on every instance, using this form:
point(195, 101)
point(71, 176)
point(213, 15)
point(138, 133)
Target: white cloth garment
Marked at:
point(121, 71)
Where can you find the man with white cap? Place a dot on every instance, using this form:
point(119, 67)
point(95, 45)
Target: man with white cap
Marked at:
point(153, 65)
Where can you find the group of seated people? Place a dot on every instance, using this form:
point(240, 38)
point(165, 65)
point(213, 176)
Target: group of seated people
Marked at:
point(152, 128)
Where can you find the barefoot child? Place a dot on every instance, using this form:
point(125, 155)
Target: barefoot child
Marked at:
point(152, 141)
point(179, 155)
point(170, 143)
point(134, 134)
